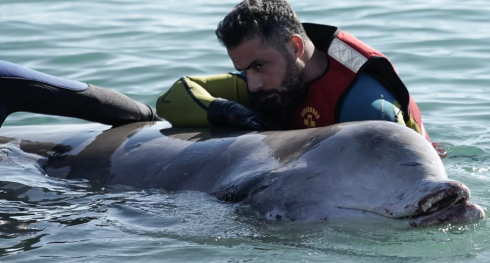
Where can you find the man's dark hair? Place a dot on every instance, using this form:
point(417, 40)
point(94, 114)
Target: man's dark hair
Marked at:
point(272, 20)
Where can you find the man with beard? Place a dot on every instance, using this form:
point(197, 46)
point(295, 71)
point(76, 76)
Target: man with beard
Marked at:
point(290, 76)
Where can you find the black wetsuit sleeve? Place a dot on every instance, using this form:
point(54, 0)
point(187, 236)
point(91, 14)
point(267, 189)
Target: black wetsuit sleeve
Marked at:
point(92, 104)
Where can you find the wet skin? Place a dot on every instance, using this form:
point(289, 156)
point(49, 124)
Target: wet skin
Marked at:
point(350, 169)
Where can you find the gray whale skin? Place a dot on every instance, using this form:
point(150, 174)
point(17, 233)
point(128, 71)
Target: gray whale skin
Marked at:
point(370, 168)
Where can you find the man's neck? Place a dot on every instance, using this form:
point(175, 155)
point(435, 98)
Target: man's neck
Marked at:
point(316, 62)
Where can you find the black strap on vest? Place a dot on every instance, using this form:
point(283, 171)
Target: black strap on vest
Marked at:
point(321, 35)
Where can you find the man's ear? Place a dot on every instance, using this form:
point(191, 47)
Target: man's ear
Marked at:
point(298, 45)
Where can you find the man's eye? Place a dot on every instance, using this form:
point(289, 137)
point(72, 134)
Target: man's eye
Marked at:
point(258, 66)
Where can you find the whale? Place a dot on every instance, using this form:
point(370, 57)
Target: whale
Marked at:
point(358, 169)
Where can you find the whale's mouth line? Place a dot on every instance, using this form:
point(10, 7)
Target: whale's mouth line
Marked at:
point(428, 205)
point(439, 207)
point(441, 204)
point(442, 199)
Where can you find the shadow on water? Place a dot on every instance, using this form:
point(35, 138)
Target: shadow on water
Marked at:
point(32, 203)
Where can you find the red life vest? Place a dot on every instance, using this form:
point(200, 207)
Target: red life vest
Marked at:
point(348, 58)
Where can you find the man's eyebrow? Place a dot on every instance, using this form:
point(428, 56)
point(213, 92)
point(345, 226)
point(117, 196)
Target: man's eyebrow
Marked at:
point(249, 66)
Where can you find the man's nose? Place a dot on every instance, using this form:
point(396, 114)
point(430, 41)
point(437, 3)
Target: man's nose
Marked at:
point(254, 82)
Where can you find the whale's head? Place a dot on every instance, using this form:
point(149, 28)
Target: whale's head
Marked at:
point(372, 168)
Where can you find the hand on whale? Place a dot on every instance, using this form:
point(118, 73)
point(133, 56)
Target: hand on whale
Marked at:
point(344, 170)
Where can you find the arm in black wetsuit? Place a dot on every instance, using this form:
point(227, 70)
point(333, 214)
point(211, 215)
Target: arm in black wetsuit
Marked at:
point(23, 89)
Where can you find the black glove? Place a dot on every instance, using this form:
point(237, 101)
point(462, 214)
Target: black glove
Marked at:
point(223, 112)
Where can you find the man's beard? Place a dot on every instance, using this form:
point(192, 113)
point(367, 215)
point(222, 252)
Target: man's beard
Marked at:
point(270, 103)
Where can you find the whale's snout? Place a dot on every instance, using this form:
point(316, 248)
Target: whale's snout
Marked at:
point(452, 192)
point(448, 205)
point(458, 213)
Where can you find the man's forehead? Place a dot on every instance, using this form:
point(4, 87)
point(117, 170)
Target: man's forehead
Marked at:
point(248, 51)
point(248, 47)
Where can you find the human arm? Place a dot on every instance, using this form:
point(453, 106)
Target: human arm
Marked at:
point(28, 90)
point(370, 100)
point(219, 100)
